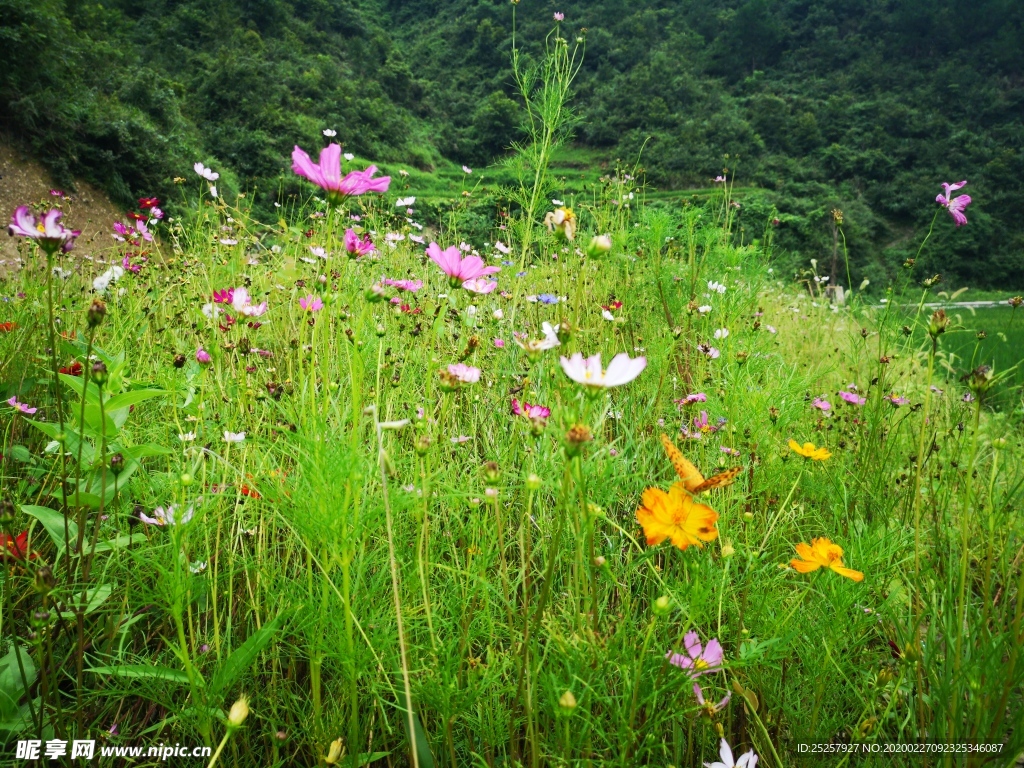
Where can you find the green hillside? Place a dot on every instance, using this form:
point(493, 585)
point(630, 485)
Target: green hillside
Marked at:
point(861, 105)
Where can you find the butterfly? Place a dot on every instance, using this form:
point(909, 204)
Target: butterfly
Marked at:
point(692, 479)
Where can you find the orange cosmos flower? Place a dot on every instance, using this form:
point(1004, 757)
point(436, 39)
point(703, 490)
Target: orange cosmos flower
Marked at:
point(822, 553)
point(677, 517)
point(809, 451)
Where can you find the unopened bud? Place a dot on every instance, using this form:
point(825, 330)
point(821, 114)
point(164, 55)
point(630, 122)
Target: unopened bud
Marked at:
point(567, 702)
point(117, 463)
point(577, 436)
point(599, 245)
point(533, 482)
point(44, 580)
point(99, 372)
point(334, 753)
point(938, 324)
point(239, 711)
point(728, 550)
point(7, 512)
point(179, 361)
point(375, 293)
point(662, 606)
point(97, 311)
point(491, 472)
point(421, 444)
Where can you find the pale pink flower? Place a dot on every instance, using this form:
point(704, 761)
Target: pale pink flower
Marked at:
point(698, 660)
point(852, 398)
point(243, 305)
point(499, 343)
point(559, 16)
point(823, 405)
point(404, 285)
point(528, 411)
point(311, 303)
point(747, 759)
point(466, 374)
point(459, 269)
point(13, 402)
point(713, 707)
point(955, 205)
point(587, 371)
point(480, 285)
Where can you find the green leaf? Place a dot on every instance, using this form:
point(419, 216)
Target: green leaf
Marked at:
point(146, 449)
point(243, 657)
point(79, 384)
point(94, 598)
point(12, 686)
point(134, 397)
point(53, 522)
point(426, 757)
point(119, 543)
point(143, 671)
point(20, 453)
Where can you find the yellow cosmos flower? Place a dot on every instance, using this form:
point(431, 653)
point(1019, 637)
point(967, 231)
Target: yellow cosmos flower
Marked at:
point(822, 553)
point(677, 517)
point(809, 451)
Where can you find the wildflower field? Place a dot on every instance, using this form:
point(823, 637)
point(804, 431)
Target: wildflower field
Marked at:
point(345, 489)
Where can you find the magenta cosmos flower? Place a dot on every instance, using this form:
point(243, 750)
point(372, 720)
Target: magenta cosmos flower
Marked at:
point(697, 660)
point(327, 175)
point(459, 269)
point(528, 411)
point(202, 356)
point(822, 404)
point(357, 246)
point(955, 205)
point(311, 303)
point(13, 402)
point(48, 231)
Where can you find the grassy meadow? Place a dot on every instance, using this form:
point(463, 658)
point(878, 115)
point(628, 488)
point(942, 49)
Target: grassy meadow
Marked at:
point(310, 506)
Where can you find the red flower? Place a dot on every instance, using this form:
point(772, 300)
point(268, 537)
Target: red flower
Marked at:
point(16, 547)
point(7, 327)
point(145, 203)
point(137, 216)
point(75, 369)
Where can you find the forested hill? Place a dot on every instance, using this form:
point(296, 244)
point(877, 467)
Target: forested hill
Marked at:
point(864, 105)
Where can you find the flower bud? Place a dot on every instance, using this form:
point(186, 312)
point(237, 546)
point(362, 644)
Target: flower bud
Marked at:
point(599, 245)
point(375, 293)
point(97, 311)
point(117, 463)
point(533, 482)
point(567, 702)
point(44, 580)
point(938, 324)
point(239, 711)
point(728, 550)
point(662, 606)
point(421, 445)
point(179, 361)
point(599, 561)
point(7, 512)
point(99, 372)
point(491, 472)
point(1016, 301)
point(577, 436)
point(884, 676)
point(334, 753)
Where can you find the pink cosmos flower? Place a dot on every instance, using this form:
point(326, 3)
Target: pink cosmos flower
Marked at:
point(480, 285)
point(896, 400)
point(243, 304)
point(49, 232)
point(357, 246)
point(695, 397)
point(853, 398)
point(466, 374)
point(707, 349)
point(404, 285)
point(698, 660)
point(823, 405)
point(166, 516)
point(311, 303)
point(559, 16)
point(499, 343)
point(13, 402)
point(223, 297)
point(130, 266)
point(459, 269)
point(528, 411)
point(955, 205)
point(327, 175)
point(711, 706)
point(202, 356)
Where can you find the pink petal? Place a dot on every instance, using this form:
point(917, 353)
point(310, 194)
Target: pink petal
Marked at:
point(330, 166)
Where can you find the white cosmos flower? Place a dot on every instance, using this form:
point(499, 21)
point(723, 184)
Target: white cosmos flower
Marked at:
point(233, 437)
point(721, 333)
point(587, 371)
point(187, 437)
point(405, 202)
point(717, 287)
point(607, 315)
point(330, 133)
point(349, 156)
point(207, 173)
point(747, 759)
point(498, 314)
point(704, 309)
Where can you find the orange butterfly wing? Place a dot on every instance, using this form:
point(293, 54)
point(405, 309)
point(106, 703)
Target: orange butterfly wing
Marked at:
point(688, 473)
point(720, 480)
